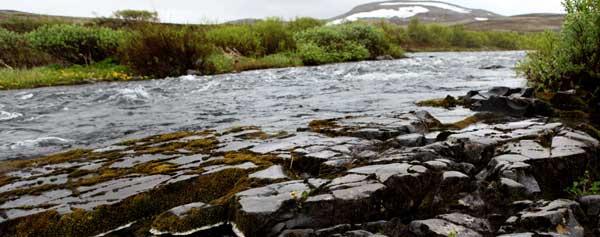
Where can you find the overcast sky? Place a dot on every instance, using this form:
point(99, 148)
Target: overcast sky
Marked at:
point(197, 11)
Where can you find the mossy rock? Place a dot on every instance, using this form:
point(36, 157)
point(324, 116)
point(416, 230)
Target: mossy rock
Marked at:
point(189, 217)
point(448, 102)
point(568, 101)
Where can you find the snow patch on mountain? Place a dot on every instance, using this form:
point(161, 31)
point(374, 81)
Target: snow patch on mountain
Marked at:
point(401, 12)
point(430, 4)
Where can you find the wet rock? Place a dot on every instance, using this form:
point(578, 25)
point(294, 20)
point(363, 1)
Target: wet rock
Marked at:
point(410, 140)
point(380, 128)
point(568, 100)
point(480, 225)
point(384, 57)
point(558, 217)
point(591, 205)
point(439, 228)
point(297, 233)
point(352, 176)
point(509, 101)
point(491, 67)
point(260, 207)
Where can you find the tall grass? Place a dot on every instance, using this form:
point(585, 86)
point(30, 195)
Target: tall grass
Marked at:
point(161, 51)
point(56, 75)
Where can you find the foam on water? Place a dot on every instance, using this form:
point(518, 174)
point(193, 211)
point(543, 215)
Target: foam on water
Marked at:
point(41, 142)
point(5, 116)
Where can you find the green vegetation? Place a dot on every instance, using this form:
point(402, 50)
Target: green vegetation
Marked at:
point(571, 59)
point(16, 51)
point(161, 51)
point(37, 52)
point(57, 75)
point(350, 42)
point(76, 44)
point(584, 186)
point(432, 37)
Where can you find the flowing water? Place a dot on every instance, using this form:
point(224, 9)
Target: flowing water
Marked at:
point(40, 121)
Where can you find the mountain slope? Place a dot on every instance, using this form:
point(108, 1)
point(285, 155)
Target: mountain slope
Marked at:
point(426, 11)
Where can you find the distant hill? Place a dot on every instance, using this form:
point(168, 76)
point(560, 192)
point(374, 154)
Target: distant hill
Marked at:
point(8, 14)
point(521, 23)
point(399, 12)
point(402, 11)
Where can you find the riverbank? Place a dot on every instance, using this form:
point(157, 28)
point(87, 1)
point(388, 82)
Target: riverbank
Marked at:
point(506, 174)
point(48, 76)
point(35, 54)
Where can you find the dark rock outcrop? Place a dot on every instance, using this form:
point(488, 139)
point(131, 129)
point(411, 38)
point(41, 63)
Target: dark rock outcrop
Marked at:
point(353, 176)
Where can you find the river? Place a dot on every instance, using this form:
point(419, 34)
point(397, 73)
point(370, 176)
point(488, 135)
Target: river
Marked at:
point(41, 121)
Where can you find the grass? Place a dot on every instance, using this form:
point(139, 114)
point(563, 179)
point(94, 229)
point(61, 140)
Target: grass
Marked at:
point(57, 76)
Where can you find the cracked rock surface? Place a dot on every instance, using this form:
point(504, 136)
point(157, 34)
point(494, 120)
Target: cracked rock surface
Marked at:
point(352, 176)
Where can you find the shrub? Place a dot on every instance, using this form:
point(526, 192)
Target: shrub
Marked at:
point(162, 51)
point(395, 34)
point(238, 38)
point(348, 42)
point(274, 36)
point(16, 52)
point(304, 23)
point(218, 63)
point(76, 44)
point(418, 33)
point(368, 36)
point(503, 40)
point(570, 60)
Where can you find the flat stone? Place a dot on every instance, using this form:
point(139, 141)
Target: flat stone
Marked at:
point(383, 172)
point(269, 199)
point(272, 173)
point(219, 168)
point(438, 227)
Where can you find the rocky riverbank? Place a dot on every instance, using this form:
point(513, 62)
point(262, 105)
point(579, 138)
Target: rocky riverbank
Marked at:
point(500, 173)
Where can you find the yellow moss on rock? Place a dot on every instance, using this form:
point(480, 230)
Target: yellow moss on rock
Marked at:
point(448, 102)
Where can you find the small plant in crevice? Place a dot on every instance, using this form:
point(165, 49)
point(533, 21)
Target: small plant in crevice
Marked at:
point(585, 185)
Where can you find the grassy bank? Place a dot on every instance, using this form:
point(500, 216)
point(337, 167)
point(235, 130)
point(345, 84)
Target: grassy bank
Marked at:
point(140, 50)
point(58, 76)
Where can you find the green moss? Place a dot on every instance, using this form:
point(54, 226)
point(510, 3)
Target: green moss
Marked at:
point(152, 168)
point(238, 157)
point(448, 102)
point(327, 127)
point(218, 187)
point(69, 156)
point(194, 218)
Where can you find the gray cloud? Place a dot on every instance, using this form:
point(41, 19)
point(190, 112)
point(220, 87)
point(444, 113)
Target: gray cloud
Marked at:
point(186, 11)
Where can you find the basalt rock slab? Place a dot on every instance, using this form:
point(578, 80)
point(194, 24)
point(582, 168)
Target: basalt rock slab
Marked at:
point(352, 176)
point(518, 102)
point(380, 128)
point(558, 218)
